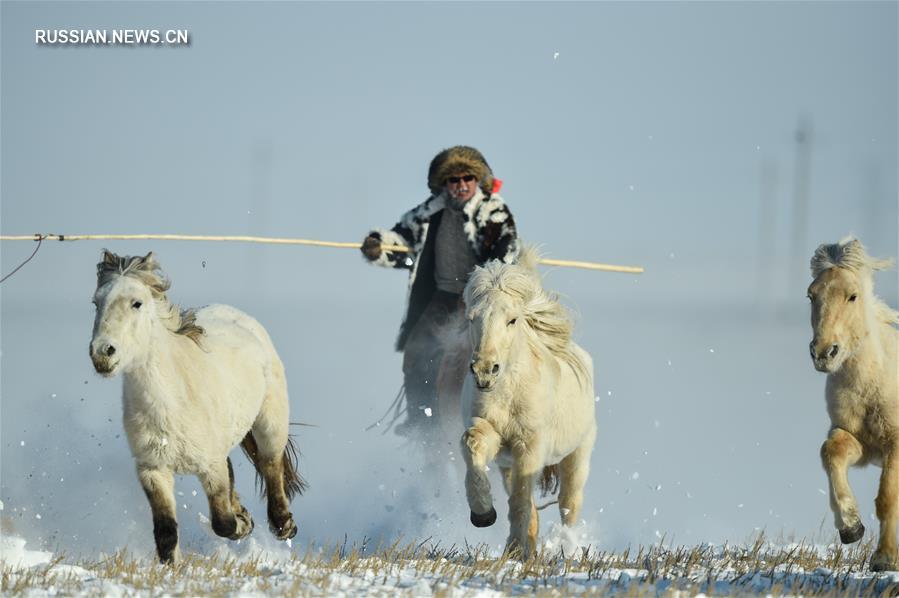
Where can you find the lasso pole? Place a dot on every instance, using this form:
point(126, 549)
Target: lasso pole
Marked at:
point(289, 241)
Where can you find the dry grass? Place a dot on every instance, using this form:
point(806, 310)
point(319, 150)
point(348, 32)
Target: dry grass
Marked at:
point(757, 567)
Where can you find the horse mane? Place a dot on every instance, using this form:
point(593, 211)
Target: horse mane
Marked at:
point(528, 258)
point(851, 255)
point(147, 270)
point(547, 319)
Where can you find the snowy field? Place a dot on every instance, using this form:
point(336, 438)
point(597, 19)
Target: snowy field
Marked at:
point(429, 569)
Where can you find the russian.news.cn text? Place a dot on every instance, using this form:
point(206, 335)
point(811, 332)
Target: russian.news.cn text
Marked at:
point(112, 37)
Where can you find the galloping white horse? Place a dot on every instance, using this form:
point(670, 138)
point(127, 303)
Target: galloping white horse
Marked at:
point(855, 344)
point(196, 383)
point(528, 402)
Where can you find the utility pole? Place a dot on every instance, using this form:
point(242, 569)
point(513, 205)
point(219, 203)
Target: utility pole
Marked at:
point(766, 255)
point(801, 180)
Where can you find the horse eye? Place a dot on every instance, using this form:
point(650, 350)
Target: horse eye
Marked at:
point(853, 297)
point(512, 321)
point(136, 304)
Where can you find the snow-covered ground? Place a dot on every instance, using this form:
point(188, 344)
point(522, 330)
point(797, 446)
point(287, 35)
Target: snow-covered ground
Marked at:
point(427, 568)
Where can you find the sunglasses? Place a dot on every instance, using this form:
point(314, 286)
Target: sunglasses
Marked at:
point(455, 180)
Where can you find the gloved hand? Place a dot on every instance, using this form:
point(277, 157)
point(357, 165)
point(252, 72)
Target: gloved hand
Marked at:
point(371, 247)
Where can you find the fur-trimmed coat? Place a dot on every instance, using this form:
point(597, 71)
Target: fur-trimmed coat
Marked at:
point(488, 226)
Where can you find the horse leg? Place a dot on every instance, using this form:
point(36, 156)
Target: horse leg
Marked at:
point(245, 521)
point(275, 467)
point(885, 557)
point(271, 454)
point(159, 486)
point(840, 451)
point(480, 444)
point(573, 473)
point(534, 525)
point(523, 521)
point(229, 518)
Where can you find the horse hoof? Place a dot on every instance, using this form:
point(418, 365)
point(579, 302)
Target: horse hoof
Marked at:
point(485, 520)
point(881, 561)
point(245, 525)
point(286, 531)
point(171, 558)
point(852, 534)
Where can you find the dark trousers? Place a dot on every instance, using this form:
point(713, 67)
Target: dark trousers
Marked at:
point(423, 354)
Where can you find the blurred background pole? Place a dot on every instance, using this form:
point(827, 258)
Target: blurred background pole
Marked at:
point(801, 174)
point(767, 220)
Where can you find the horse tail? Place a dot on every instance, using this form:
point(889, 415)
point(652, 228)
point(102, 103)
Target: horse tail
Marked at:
point(294, 483)
point(549, 480)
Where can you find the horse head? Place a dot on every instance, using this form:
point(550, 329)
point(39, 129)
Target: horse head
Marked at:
point(496, 299)
point(838, 309)
point(125, 299)
point(494, 327)
point(842, 301)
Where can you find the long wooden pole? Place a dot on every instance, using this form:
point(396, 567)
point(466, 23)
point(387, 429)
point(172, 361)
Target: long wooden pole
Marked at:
point(289, 241)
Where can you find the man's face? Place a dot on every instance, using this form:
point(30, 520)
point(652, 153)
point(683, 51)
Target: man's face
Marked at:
point(462, 187)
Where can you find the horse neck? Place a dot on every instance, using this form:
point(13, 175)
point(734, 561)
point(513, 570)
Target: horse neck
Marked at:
point(875, 353)
point(525, 357)
point(149, 378)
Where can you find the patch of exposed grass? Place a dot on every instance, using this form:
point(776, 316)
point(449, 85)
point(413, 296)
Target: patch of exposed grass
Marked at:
point(400, 568)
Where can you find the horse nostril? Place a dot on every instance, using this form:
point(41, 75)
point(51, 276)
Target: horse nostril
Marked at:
point(110, 351)
point(471, 367)
point(811, 349)
point(833, 351)
point(495, 368)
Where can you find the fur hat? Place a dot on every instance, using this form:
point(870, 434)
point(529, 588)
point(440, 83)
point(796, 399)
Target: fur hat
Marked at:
point(456, 161)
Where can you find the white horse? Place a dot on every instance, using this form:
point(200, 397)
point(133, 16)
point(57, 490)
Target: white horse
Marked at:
point(528, 401)
point(196, 383)
point(855, 344)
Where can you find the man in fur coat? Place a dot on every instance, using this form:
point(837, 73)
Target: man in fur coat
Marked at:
point(464, 223)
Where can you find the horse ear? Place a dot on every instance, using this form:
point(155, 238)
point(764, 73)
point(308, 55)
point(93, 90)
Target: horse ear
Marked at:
point(109, 263)
point(146, 262)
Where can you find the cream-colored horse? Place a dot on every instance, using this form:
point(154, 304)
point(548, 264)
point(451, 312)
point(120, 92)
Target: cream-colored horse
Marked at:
point(855, 344)
point(528, 401)
point(195, 385)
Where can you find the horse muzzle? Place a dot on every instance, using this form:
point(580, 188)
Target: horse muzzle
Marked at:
point(825, 357)
point(104, 359)
point(105, 367)
point(483, 386)
point(485, 374)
